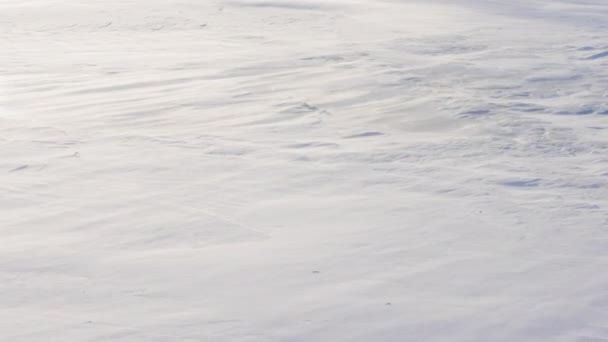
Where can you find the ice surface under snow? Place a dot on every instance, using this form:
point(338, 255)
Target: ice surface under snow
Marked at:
point(299, 170)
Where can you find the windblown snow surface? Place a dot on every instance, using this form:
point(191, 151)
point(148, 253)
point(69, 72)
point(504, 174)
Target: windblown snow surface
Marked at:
point(302, 170)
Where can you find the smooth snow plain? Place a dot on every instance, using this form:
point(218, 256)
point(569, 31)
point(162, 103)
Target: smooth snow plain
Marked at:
point(299, 170)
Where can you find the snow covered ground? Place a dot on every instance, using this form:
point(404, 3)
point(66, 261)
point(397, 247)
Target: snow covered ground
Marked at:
point(303, 170)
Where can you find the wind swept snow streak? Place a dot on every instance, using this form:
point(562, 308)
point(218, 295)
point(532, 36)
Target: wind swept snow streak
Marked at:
point(302, 170)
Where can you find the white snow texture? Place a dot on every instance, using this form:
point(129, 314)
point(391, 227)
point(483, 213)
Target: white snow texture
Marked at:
point(303, 170)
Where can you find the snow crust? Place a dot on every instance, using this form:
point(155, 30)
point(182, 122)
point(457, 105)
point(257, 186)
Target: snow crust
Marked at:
point(302, 170)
